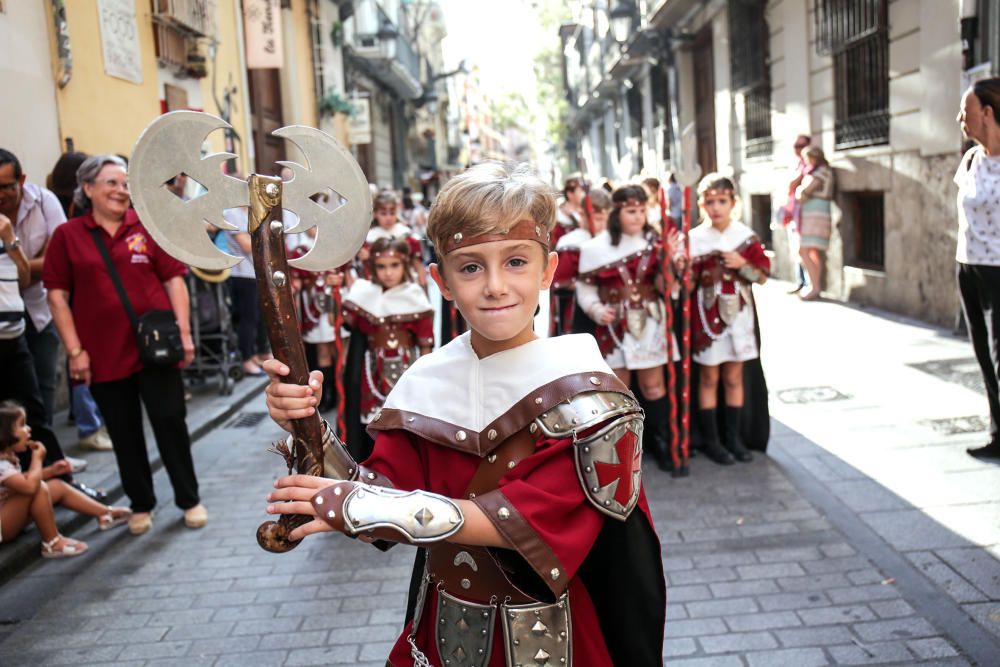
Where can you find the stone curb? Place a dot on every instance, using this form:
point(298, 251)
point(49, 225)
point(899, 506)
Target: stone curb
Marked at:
point(17, 556)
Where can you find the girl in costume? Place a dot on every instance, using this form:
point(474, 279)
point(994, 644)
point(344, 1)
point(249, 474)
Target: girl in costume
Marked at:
point(726, 259)
point(620, 287)
point(392, 320)
point(387, 225)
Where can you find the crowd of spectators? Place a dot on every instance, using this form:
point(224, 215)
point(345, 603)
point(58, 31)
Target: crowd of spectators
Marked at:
point(76, 270)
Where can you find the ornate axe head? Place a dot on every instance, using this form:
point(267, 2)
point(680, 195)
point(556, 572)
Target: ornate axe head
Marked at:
point(171, 145)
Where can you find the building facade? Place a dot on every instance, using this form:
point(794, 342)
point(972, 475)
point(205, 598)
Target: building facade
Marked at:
point(94, 74)
point(875, 83)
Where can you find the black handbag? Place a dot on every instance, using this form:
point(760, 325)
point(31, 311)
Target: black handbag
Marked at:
point(157, 334)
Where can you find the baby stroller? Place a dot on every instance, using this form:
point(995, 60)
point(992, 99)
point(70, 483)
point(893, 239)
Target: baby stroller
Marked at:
point(215, 346)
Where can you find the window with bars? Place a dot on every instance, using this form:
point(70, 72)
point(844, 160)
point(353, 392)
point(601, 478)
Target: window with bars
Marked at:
point(855, 33)
point(748, 57)
point(985, 36)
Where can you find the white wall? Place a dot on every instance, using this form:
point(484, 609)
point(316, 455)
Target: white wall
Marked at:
point(30, 125)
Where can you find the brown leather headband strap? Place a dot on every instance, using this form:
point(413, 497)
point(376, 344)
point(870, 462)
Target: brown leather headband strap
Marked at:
point(525, 230)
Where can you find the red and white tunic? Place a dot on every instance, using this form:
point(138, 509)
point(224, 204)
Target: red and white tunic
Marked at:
point(397, 323)
point(565, 223)
point(624, 278)
point(722, 320)
point(448, 417)
point(568, 249)
point(316, 300)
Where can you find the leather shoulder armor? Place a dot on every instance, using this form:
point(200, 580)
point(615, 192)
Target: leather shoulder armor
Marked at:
point(606, 428)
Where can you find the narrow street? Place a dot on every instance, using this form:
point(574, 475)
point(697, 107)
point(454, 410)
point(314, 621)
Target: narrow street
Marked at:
point(865, 537)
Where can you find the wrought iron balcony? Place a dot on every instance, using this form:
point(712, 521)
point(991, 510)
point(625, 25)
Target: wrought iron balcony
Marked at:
point(387, 55)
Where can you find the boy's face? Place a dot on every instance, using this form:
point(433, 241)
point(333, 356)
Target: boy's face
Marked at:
point(386, 216)
point(600, 219)
point(633, 219)
point(718, 205)
point(389, 270)
point(495, 286)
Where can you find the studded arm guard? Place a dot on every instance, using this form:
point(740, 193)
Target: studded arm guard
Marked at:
point(606, 428)
point(415, 517)
point(750, 273)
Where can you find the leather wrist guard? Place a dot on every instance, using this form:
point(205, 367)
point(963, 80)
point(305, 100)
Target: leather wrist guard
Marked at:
point(749, 273)
point(337, 461)
point(415, 517)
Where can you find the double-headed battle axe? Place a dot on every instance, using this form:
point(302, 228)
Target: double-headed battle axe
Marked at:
point(171, 145)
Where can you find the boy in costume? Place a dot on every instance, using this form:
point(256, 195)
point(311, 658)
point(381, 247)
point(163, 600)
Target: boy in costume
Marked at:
point(512, 461)
point(727, 258)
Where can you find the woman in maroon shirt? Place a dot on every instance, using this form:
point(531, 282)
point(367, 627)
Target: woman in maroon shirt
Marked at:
point(101, 342)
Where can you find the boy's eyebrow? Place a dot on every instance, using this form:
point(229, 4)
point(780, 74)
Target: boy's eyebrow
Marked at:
point(470, 253)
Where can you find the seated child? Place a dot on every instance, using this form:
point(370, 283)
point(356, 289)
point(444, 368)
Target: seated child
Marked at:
point(29, 496)
point(513, 461)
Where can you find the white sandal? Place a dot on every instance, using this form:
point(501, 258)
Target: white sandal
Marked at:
point(69, 548)
point(115, 516)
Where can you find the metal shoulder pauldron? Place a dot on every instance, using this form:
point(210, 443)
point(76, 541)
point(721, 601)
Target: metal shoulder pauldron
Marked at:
point(606, 428)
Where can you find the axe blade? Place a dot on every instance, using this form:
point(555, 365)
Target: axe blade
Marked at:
point(170, 145)
point(340, 232)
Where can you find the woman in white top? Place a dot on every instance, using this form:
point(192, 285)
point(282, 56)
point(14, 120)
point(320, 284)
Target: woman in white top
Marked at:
point(978, 252)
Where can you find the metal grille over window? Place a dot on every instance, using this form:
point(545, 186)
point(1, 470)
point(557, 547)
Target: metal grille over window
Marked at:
point(748, 57)
point(855, 33)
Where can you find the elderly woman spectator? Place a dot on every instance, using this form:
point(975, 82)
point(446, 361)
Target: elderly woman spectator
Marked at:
point(101, 342)
point(815, 197)
point(978, 251)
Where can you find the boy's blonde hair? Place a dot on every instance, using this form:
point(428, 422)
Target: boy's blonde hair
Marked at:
point(489, 198)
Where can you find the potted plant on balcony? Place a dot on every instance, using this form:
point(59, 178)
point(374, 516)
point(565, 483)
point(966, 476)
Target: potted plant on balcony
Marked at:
point(335, 106)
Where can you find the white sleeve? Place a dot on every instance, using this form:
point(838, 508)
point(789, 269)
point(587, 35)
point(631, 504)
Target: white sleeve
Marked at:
point(588, 299)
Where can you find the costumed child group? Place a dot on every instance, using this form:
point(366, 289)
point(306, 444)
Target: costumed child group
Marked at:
point(512, 457)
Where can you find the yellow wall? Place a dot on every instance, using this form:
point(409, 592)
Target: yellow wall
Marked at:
point(304, 87)
point(104, 114)
point(229, 62)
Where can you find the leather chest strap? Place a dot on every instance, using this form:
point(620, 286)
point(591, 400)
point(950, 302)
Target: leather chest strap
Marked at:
point(496, 464)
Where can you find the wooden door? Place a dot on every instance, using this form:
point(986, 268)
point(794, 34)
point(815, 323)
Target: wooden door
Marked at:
point(265, 109)
point(704, 99)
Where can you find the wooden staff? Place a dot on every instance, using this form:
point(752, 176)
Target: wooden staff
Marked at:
point(668, 285)
point(685, 296)
point(338, 380)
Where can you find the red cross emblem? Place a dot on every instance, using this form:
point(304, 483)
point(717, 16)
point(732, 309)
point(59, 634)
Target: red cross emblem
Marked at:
point(629, 463)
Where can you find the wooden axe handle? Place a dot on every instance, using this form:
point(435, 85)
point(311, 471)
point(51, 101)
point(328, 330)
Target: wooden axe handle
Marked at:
point(278, 310)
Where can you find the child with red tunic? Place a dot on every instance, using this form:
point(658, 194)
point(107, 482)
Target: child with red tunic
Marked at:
point(387, 225)
point(567, 316)
point(727, 258)
point(620, 287)
point(513, 461)
point(392, 315)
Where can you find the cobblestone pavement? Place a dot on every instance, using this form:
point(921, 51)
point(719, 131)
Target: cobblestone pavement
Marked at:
point(798, 558)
